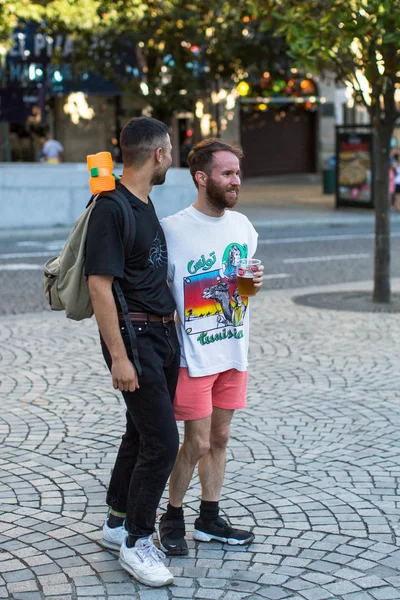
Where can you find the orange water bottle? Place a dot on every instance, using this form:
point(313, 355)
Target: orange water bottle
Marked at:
point(100, 167)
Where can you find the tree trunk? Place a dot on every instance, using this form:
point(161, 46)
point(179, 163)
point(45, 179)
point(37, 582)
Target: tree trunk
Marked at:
point(383, 133)
point(5, 149)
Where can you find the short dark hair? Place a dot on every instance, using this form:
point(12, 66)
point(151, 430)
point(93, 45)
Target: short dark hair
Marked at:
point(200, 158)
point(139, 138)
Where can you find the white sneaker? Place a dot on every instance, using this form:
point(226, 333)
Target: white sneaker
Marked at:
point(144, 563)
point(113, 537)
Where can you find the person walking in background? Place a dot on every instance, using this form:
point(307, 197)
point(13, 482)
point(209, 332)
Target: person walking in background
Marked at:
point(206, 242)
point(392, 185)
point(52, 151)
point(185, 148)
point(396, 169)
point(150, 444)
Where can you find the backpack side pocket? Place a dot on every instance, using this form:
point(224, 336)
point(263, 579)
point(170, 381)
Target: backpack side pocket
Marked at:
point(51, 272)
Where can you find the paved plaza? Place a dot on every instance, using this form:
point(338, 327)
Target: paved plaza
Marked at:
point(313, 464)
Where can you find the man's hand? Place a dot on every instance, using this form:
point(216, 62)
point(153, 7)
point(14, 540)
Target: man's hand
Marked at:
point(258, 278)
point(124, 375)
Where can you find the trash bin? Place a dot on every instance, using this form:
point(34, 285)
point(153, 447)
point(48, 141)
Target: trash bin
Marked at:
point(329, 181)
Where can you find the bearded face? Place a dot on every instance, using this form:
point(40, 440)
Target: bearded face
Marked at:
point(160, 171)
point(159, 175)
point(221, 195)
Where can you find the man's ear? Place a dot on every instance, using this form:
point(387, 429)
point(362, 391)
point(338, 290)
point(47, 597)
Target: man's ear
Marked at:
point(159, 155)
point(201, 178)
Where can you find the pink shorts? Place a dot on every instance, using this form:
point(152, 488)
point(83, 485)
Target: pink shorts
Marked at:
point(196, 396)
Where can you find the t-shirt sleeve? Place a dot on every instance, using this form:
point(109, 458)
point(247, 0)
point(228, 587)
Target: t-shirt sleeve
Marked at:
point(253, 239)
point(105, 254)
point(169, 242)
point(171, 271)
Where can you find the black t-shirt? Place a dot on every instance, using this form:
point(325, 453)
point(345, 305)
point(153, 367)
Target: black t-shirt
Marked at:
point(142, 275)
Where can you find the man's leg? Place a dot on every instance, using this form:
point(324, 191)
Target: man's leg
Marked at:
point(114, 531)
point(212, 465)
point(193, 405)
point(149, 446)
point(196, 444)
point(151, 414)
point(151, 410)
point(123, 468)
point(229, 392)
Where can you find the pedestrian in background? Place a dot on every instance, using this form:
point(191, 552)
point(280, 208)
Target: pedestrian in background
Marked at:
point(396, 169)
point(392, 185)
point(52, 151)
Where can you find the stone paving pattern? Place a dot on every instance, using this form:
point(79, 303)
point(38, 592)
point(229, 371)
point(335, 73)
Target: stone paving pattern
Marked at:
point(313, 464)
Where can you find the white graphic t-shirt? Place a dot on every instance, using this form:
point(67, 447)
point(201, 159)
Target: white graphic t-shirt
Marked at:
point(213, 320)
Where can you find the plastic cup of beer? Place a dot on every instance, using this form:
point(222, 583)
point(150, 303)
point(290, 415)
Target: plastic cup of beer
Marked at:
point(245, 273)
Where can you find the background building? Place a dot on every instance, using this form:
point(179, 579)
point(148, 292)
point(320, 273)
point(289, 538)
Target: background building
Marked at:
point(285, 121)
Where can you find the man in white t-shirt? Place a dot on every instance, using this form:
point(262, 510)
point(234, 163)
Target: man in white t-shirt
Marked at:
point(205, 244)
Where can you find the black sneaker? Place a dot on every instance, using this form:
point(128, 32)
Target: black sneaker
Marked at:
point(171, 534)
point(205, 531)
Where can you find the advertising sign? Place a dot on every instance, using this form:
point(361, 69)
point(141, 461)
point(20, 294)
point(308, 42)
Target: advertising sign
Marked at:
point(354, 167)
point(37, 58)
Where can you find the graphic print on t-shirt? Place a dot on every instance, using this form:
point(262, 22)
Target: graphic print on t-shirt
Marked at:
point(158, 252)
point(211, 297)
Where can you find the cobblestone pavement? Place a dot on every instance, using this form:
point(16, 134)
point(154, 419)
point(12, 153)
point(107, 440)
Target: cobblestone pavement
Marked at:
point(313, 464)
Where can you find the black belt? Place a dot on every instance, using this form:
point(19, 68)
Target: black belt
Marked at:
point(142, 317)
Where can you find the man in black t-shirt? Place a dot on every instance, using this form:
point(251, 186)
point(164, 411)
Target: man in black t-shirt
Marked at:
point(150, 444)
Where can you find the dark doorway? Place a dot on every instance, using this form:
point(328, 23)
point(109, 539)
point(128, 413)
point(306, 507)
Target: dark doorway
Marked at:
point(277, 143)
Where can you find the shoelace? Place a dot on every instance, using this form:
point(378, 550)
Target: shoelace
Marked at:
point(150, 553)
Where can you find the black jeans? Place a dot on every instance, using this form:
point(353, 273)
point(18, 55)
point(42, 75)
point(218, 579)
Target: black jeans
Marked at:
point(150, 444)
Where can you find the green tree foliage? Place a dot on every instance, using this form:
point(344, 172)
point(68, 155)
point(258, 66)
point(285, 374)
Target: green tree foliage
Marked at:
point(11, 12)
point(185, 47)
point(359, 42)
point(72, 15)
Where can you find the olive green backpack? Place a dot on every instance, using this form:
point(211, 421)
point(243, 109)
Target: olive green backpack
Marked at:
point(65, 284)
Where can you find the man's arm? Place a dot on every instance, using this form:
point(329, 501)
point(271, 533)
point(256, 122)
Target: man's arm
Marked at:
point(124, 376)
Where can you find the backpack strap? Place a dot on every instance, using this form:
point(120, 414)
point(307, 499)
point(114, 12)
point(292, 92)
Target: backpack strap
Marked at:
point(129, 326)
point(129, 223)
point(128, 236)
point(92, 199)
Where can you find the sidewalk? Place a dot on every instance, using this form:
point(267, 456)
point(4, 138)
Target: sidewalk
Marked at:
point(295, 200)
point(301, 191)
point(313, 463)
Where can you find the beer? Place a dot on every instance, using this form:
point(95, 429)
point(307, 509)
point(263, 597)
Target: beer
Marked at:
point(245, 273)
point(246, 285)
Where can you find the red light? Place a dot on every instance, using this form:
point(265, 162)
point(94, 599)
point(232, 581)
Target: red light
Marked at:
point(189, 133)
